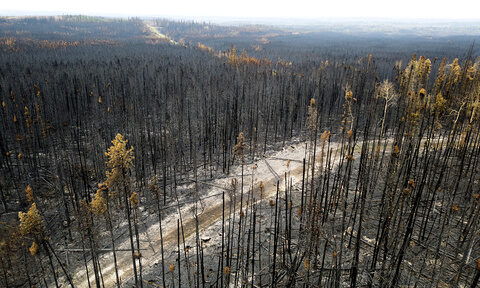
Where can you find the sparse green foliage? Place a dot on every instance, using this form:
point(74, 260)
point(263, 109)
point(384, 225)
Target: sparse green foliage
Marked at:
point(98, 204)
point(31, 222)
point(119, 161)
point(240, 148)
point(312, 117)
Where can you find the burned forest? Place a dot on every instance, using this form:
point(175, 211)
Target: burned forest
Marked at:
point(159, 153)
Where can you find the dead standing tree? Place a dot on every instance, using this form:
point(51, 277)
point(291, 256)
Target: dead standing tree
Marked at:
point(119, 163)
point(239, 150)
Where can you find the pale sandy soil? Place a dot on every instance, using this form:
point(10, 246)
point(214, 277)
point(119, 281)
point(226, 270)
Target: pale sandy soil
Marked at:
point(209, 213)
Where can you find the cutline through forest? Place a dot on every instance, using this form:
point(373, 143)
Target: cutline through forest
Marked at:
point(209, 216)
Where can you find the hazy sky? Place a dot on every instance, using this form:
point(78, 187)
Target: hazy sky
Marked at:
point(458, 9)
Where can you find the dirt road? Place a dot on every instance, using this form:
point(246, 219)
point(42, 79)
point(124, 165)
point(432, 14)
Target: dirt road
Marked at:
point(209, 216)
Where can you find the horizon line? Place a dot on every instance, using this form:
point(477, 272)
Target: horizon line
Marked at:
point(18, 13)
